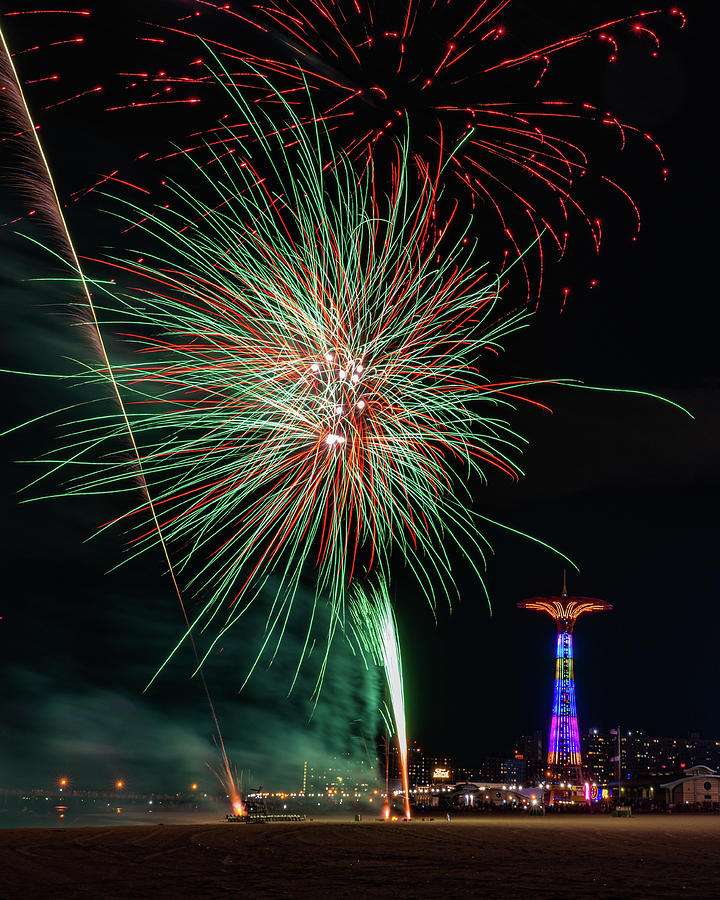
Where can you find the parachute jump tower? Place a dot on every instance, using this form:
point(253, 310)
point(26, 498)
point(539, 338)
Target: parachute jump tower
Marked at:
point(564, 761)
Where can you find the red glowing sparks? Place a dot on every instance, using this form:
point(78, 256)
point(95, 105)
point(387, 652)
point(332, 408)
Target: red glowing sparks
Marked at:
point(49, 12)
point(521, 161)
point(517, 160)
point(74, 97)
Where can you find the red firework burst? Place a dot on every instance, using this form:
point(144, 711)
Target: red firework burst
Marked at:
point(466, 83)
point(469, 83)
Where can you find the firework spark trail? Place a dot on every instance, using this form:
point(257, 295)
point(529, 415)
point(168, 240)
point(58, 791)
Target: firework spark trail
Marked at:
point(233, 785)
point(378, 71)
point(305, 390)
point(50, 204)
point(441, 72)
point(373, 625)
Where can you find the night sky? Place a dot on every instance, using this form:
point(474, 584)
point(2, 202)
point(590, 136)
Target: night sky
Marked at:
point(624, 485)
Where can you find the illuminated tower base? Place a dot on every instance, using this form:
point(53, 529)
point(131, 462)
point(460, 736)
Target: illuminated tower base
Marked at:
point(564, 763)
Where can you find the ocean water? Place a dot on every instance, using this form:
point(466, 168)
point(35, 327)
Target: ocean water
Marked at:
point(38, 812)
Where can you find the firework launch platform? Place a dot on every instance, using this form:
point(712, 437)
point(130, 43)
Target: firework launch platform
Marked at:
point(262, 818)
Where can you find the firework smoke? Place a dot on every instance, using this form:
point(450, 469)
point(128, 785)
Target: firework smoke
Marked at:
point(44, 192)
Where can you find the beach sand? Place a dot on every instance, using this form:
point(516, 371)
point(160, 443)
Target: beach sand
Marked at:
point(489, 857)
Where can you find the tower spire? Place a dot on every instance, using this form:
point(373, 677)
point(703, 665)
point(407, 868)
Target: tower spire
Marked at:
point(564, 762)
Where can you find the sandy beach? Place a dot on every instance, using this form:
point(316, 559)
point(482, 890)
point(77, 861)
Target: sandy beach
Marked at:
point(573, 856)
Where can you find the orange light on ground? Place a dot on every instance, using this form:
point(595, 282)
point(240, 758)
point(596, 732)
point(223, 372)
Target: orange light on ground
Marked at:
point(193, 787)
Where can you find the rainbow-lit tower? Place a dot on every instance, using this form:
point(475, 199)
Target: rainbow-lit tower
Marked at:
point(564, 757)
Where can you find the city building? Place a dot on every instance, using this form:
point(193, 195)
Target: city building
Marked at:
point(564, 760)
point(638, 755)
point(695, 788)
point(423, 768)
point(700, 786)
point(493, 768)
point(502, 770)
point(339, 773)
point(529, 747)
point(430, 770)
point(598, 750)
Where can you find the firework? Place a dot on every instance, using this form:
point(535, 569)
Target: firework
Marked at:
point(462, 80)
point(304, 390)
point(232, 783)
point(374, 627)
